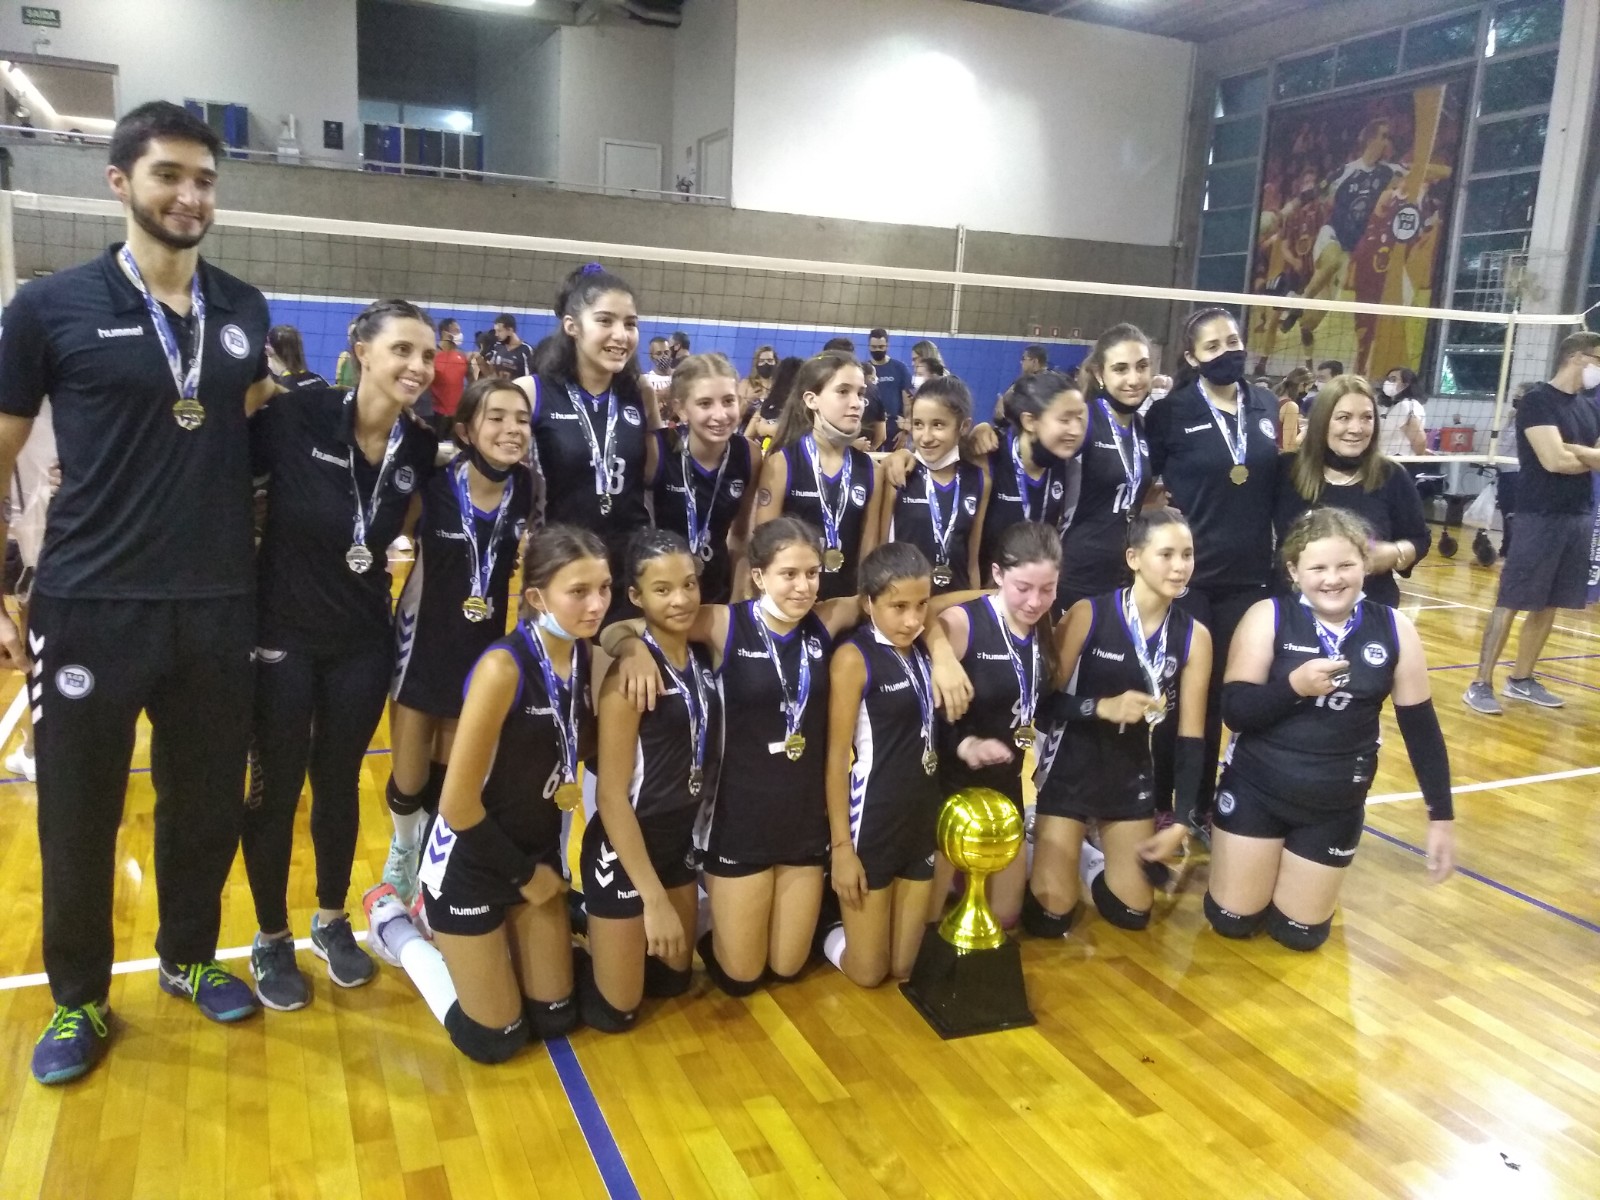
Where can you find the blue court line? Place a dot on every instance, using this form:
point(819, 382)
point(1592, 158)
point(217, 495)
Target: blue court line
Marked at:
point(602, 1146)
point(1494, 883)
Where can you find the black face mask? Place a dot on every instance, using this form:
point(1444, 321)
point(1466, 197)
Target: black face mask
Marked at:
point(1226, 368)
point(486, 468)
point(880, 356)
point(1042, 458)
point(1118, 406)
point(765, 369)
point(1342, 462)
point(661, 362)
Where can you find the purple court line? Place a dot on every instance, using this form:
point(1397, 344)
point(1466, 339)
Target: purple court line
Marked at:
point(1511, 662)
point(1494, 883)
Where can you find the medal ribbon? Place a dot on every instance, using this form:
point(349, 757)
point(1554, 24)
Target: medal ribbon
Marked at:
point(1331, 641)
point(694, 700)
point(1132, 463)
point(188, 382)
point(1153, 663)
point(599, 456)
point(1027, 695)
point(699, 536)
point(919, 674)
point(830, 518)
point(481, 563)
point(367, 512)
point(1022, 478)
point(1237, 447)
point(794, 708)
point(941, 539)
point(567, 730)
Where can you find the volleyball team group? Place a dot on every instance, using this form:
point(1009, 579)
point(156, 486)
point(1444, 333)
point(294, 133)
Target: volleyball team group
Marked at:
point(760, 669)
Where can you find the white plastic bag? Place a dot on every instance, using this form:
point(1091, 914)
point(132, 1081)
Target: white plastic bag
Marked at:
point(1480, 513)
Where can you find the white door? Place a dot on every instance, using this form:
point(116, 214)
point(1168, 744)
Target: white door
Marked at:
point(716, 165)
point(629, 166)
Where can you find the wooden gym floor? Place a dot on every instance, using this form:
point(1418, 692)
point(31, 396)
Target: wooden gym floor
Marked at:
point(1445, 1042)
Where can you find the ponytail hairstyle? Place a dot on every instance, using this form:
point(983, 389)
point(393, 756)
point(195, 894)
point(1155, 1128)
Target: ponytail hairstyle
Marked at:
point(777, 535)
point(286, 345)
point(476, 396)
point(651, 543)
point(1145, 522)
point(1092, 371)
point(783, 378)
point(372, 320)
point(949, 391)
point(890, 563)
point(1186, 372)
point(552, 547)
point(1317, 523)
point(1023, 545)
point(813, 377)
point(706, 365)
point(1033, 394)
point(558, 354)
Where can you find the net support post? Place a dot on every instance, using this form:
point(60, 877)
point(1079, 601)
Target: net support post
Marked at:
point(955, 291)
point(1505, 380)
point(8, 251)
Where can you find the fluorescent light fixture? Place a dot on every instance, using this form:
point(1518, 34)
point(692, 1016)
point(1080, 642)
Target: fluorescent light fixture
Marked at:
point(511, 3)
point(461, 122)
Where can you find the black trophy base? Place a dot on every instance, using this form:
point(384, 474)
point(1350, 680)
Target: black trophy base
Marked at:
point(960, 994)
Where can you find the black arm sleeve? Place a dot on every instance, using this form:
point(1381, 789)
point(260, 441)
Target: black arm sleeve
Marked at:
point(488, 843)
point(1189, 777)
point(1251, 707)
point(1059, 708)
point(1419, 727)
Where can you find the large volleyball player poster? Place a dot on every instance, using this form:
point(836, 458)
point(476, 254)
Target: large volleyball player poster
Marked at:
point(1355, 196)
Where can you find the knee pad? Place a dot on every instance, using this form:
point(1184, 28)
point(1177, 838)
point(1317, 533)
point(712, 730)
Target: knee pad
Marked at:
point(551, 1018)
point(661, 982)
point(774, 977)
point(1043, 924)
point(598, 1012)
point(1113, 909)
point(480, 1043)
point(431, 790)
point(733, 987)
point(400, 803)
point(1233, 925)
point(1296, 935)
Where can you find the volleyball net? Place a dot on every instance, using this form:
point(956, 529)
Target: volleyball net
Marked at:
point(318, 273)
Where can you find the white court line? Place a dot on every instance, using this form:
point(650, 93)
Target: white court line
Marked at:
point(1396, 797)
point(1588, 633)
point(134, 966)
point(14, 713)
point(1426, 607)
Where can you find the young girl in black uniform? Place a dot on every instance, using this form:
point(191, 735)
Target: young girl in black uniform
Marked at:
point(883, 767)
point(1126, 661)
point(1116, 466)
point(1008, 656)
point(344, 470)
point(944, 499)
point(1035, 474)
point(816, 475)
point(1306, 682)
point(1214, 445)
point(713, 511)
point(656, 771)
point(454, 603)
point(499, 967)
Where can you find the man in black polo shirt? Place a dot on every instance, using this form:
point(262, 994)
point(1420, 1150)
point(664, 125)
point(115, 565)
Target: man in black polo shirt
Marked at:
point(145, 597)
point(1547, 567)
point(511, 358)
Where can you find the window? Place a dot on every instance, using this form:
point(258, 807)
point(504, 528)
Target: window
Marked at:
point(1231, 187)
point(1441, 41)
point(1524, 23)
point(1523, 82)
point(1500, 202)
point(1305, 76)
point(1236, 141)
point(1242, 94)
point(1505, 145)
point(1369, 59)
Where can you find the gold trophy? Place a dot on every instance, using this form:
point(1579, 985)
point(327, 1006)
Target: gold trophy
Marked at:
point(968, 974)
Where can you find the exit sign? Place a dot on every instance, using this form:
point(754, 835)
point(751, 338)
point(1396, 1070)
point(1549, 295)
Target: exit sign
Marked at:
point(50, 18)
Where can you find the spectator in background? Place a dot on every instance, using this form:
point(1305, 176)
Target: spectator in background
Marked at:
point(657, 381)
point(926, 363)
point(1291, 388)
point(286, 359)
point(1035, 358)
point(510, 357)
point(344, 370)
point(841, 344)
point(679, 342)
point(894, 379)
point(1403, 415)
point(1328, 369)
point(753, 388)
point(763, 422)
point(450, 369)
point(478, 360)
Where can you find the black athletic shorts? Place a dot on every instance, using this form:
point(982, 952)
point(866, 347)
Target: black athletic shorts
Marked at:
point(1083, 796)
point(1325, 836)
point(1548, 563)
point(461, 896)
point(727, 868)
point(607, 889)
point(885, 864)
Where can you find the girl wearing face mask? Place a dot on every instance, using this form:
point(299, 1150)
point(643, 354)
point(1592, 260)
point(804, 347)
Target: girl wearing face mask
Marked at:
point(454, 603)
point(763, 423)
point(753, 388)
point(817, 475)
point(1214, 444)
point(926, 363)
point(1404, 417)
point(345, 469)
point(1115, 464)
point(499, 967)
point(1003, 640)
point(1339, 466)
point(1128, 661)
point(1307, 679)
point(702, 476)
point(944, 500)
point(1035, 473)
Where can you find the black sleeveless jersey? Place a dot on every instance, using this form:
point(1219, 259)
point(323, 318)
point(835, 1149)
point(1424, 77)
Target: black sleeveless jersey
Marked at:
point(1325, 753)
point(803, 502)
point(996, 708)
point(671, 507)
point(770, 809)
point(571, 481)
point(889, 789)
point(1051, 498)
point(913, 521)
point(520, 790)
point(430, 626)
point(1092, 549)
point(664, 752)
point(1096, 759)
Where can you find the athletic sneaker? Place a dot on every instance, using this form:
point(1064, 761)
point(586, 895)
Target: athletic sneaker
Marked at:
point(279, 983)
point(20, 762)
point(215, 991)
point(72, 1043)
point(1090, 863)
point(400, 870)
point(335, 944)
point(387, 922)
point(1480, 698)
point(1534, 692)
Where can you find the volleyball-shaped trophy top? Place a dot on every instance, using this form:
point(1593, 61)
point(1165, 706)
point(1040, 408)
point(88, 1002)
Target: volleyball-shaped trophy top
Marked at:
point(980, 831)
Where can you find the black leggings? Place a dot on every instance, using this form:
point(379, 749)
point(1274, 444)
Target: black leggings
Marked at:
point(316, 711)
point(1219, 609)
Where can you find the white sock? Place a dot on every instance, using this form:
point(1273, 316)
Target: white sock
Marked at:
point(833, 946)
point(423, 962)
point(702, 923)
point(1090, 863)
point(408, 828)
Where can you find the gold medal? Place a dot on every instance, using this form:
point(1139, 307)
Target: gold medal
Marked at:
point(569, 796)
point(358, 558)
point(475, 608)
point(943, 576)
point(1024, 737)
point(794, 746)
point(832, 559)
point(189, 413)
point(930, 762)
point(1239, 474)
